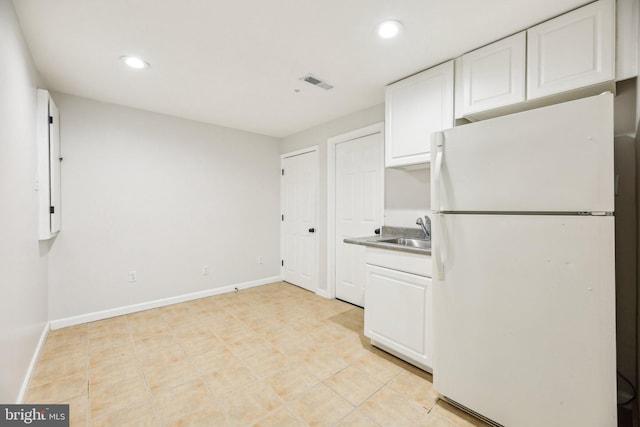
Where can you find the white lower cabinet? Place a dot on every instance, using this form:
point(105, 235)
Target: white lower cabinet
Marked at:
point(397, 315)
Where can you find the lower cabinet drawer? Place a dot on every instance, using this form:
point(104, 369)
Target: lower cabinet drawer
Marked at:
point(398, 260)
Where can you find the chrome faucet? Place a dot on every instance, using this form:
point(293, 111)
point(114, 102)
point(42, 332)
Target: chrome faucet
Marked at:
point(426, 226)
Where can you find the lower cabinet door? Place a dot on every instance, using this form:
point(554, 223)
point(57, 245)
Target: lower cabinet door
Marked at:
point(398, 312)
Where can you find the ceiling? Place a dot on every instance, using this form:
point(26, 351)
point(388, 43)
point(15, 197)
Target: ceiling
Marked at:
point(238, 63)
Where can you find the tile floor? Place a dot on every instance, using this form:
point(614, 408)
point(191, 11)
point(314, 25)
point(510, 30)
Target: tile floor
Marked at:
point(274, 355)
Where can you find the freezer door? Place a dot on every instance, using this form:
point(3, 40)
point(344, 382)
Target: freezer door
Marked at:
point(552, 159)
point(524, 318)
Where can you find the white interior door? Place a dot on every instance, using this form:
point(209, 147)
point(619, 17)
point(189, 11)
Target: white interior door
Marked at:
point(299, 191)
point(359, 174)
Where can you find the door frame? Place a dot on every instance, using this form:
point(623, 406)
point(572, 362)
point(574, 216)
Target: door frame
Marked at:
point(331, 195)
point(316, 249)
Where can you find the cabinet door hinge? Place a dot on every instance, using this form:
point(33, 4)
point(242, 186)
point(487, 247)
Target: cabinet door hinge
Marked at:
point(282, 263)
point(50, 120)
point(283, 217)
point(52, 209)
point(282, 172)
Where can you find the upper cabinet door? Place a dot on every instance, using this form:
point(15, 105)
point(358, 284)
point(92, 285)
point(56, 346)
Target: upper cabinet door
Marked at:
point(494, 76)
point(415, 108)
point(574, 50)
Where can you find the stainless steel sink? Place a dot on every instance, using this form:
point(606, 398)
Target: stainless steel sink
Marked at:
point(412, 243)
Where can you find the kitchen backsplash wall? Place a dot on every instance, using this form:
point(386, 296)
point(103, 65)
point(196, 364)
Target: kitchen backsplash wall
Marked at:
point(407, 196)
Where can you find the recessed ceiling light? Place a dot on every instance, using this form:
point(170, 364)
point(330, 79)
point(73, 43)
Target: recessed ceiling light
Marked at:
point(389, 29)
point(135, 62)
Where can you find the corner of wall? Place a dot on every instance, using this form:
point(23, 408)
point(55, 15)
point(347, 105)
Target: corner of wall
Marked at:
point(32, 365)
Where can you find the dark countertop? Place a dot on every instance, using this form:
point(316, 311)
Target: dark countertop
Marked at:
point(390, 233)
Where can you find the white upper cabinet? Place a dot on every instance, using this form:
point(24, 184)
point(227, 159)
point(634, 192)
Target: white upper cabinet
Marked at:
point(567, 57)
point(415, 108)
point(494, 76)
point(574, 50)
point(398, 304)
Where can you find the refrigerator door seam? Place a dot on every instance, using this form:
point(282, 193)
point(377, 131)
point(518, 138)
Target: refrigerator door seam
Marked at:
point(582, 213)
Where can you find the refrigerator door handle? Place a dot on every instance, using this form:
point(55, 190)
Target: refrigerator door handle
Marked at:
point(439, 148)
point(437, 246)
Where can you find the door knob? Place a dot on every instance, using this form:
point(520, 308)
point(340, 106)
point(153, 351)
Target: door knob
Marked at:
point(377, 231)
point(312, 230)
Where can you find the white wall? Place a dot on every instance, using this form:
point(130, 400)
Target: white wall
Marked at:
point(407, 196)
point(162, 196)
point(406, 192)
point(23, 261)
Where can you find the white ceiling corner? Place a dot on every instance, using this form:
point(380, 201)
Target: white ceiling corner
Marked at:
point(238, 63)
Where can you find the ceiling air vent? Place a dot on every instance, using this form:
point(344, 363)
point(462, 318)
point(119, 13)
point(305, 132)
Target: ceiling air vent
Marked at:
point(316, 82)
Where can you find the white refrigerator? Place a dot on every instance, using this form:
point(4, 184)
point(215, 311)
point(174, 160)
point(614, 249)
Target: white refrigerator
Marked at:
point(523, 254)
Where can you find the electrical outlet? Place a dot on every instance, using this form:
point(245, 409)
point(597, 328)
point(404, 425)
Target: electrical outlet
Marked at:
point(205, 270)
point(259, 260)
point(133, 277)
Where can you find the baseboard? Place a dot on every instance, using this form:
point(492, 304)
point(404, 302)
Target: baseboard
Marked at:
point(323, 293)
point(34, 361)
point(399, 355)
point(119, 311)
